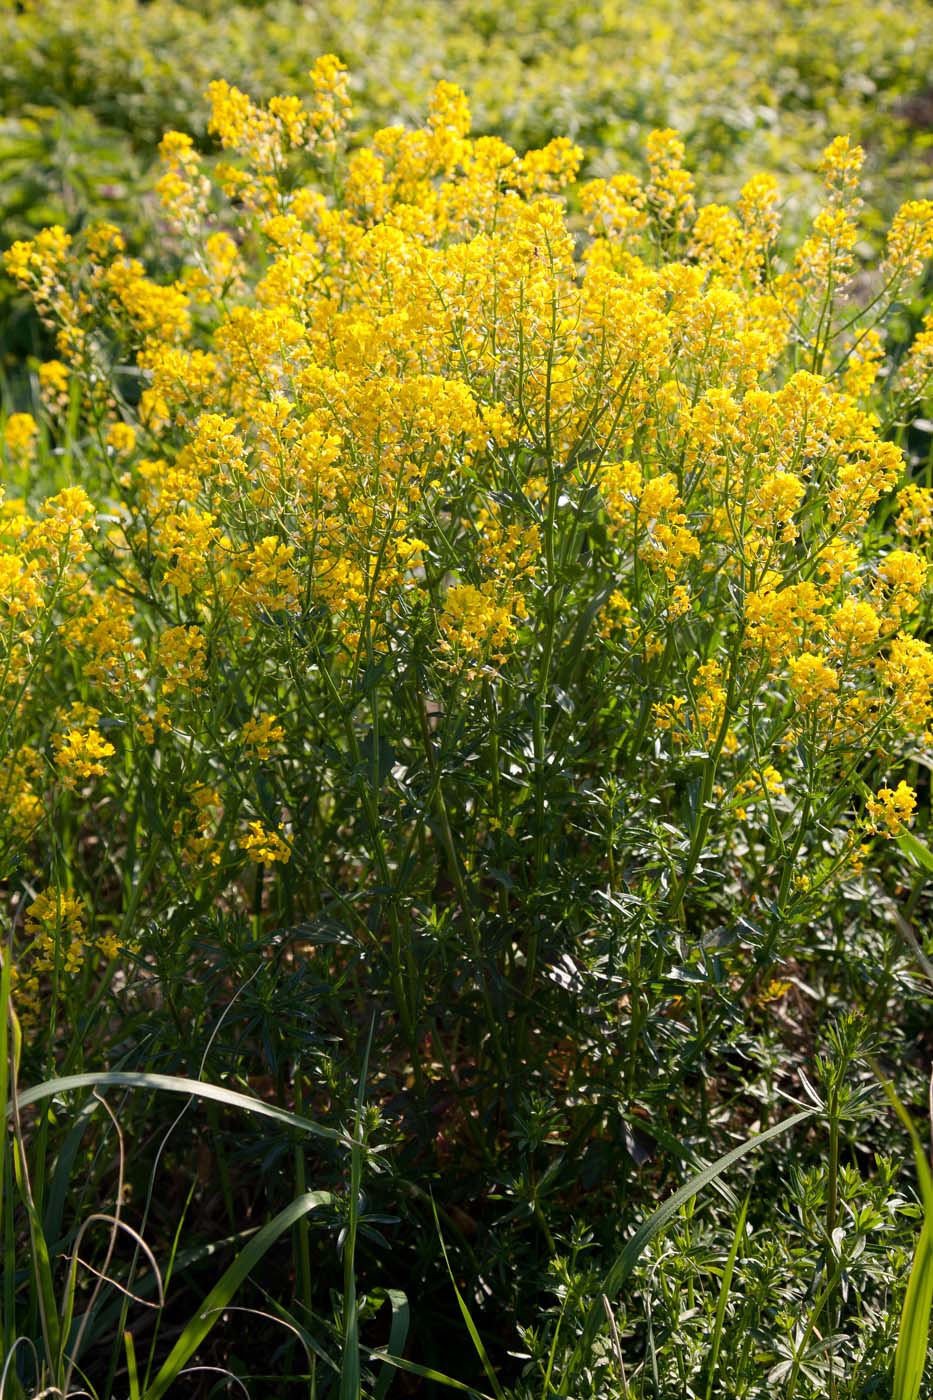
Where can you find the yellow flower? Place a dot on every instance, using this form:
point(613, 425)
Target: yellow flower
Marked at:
point(901, 579)
point(55, 921)
point(265, 847)
point(475, 621)
point(915, 510)
point(855, 626)
point(892, 808)
point(79, 754)
point(331, 110)
point(182, 656)
point(907, 670)
point(19, 434)
point(262, 734)
point(122, 438)
point(813, 683)
point(669, 191)
point(54, 386)
point(910, 239)
point(840, 166)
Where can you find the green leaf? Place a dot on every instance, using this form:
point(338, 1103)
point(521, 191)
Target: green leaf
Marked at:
point(467, 1317)
point(625, 1264)
point(724, 1297)
point(222, 1292)
point(916, 850)
point(427, 1373)
point(914, 1335)
point(398, 1335)
point(174, 1084)
point(913, 1338)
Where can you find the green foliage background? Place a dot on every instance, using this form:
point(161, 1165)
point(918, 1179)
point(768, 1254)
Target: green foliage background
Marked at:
point(90, 85)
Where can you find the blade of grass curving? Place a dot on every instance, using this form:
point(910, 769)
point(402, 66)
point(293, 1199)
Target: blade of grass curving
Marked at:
point(725, 1285)
point(914, 1334)
point(468, 1319)
point(646, 1232)
point(108, 1312)
point(913, 1337)
point(9, 1362)
point(174, 1084)
point(427, 1373)
point(220, 1295)
point(398, 1335)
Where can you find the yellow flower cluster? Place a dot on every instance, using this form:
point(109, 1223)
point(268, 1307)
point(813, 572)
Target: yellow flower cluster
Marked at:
point(79, 754)
point(892, 808)
point(260, 735)
point(58, 946)
point(265, 847)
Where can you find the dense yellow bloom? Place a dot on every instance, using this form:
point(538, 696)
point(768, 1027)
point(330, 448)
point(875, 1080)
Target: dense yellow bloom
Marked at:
point(475, 621)
point(864, 364)
point(417, 416)
point(181, 653)
point(710, 700)
point(262, 734)
point(122, 438)
point(907, 669)
point(55, 921)
point(826, 257)
point(779, 619)
point(892, 808)
point(19, 434)
point(269, 579)
point(910, 238)
point(669, 191)
point(916, 373)
point(79, 755)
point(53, 385)
point(855, 626)
point(813, 682)
point(915, 511)
point(265, 847)
point(902, 575)
point(776, 502)
point(182, 189)
point(150, 308)
point(331, 110)
point(840, 167)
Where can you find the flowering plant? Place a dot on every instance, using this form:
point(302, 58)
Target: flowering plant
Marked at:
point(525, 578)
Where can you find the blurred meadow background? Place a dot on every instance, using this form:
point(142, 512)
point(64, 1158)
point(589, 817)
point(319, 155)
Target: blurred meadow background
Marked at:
point(466, 654)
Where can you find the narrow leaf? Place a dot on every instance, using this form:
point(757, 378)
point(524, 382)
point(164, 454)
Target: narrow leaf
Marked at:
point(174, 1084)
point(656, 1222)
point(222, 1292)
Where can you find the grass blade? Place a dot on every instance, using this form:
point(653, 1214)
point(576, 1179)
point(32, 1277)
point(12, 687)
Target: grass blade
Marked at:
point(175, 1084)
point(398, 1335)
point(131, 1369)
point(427, 1373)
point(914, 1334)
point(468, 1319)
point(913, 1337)
point(646, 1232)
point(223, 1291)
point(724, 1298)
